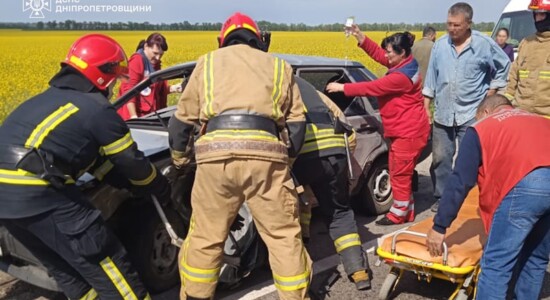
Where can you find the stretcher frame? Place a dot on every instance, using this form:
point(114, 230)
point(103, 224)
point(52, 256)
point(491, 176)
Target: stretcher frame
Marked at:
point(464, 278)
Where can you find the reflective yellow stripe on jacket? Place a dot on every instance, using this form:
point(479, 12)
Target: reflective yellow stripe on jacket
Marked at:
point(147, 180)
point(346, 241)
point(119, 145)
point(90, 295)
point(118, 279)
point(320, 139)
point(278, 75)
point(291, 283)
point(209, 84)
point(44, 128)
point(544, 74)
point(22, 177)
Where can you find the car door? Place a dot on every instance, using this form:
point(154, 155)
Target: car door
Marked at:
point(360, 113)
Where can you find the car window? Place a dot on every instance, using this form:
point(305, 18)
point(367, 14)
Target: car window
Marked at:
point(360, 75)
point(519, 24)
point(320, 78)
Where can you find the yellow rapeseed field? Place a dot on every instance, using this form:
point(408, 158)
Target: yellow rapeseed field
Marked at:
point(31, 58)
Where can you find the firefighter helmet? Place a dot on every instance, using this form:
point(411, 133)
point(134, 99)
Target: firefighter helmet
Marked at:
point(238, 22)
point(99, 58)
point(540, 5)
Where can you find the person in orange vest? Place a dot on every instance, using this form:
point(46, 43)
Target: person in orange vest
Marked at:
point(252, 120)
point(506, 154)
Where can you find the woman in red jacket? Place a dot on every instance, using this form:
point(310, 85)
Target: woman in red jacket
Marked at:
point(403, 114)
point(146, 60)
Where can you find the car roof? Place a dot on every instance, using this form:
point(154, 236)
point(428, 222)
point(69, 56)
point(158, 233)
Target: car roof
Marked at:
point(317, 61)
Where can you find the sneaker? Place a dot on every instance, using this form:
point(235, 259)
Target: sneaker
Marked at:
point(435, 206)
point(361, 280)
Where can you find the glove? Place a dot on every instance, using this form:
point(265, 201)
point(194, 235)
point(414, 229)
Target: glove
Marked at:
point(163, 192)
point(172, 172)
point(238, 223)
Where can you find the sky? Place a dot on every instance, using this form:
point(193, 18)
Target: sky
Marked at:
point(310, 12)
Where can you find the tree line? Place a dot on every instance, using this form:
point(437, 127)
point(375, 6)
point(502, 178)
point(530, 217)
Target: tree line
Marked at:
point(206, 26)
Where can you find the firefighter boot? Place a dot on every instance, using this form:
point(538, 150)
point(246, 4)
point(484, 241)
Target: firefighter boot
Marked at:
point(361, 280)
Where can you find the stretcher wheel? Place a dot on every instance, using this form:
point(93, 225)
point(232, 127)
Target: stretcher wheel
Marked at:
point(388, 285)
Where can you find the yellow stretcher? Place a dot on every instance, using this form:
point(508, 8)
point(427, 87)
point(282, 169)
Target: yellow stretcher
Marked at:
point(406, 251)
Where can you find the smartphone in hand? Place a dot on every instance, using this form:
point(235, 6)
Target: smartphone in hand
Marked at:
point(348, 26)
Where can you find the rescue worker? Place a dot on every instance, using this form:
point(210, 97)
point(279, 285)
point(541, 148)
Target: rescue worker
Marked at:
point(244, 99)
point(46, 144)
point(528, 85)
point(322, 164)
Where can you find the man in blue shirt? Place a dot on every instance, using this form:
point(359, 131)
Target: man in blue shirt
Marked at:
point(465, 66)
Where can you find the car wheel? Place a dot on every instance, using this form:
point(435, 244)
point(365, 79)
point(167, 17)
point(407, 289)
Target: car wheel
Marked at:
point(151, 250)
point(377, 196)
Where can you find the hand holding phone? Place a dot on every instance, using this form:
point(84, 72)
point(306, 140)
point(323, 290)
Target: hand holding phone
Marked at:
point(348, 26)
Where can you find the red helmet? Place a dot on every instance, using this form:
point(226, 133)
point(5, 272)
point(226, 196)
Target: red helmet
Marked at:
point(235, 22)
point(98, 57)
point(540, 5)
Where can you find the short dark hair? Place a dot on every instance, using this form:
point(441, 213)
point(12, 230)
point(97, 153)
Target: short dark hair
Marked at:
point(154, 39)
point(492, 102)
point(505, 30)
point(428, 30)
point(401, 41)
point(464, 9)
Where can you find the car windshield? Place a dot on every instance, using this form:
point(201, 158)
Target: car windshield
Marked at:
point(520, 24)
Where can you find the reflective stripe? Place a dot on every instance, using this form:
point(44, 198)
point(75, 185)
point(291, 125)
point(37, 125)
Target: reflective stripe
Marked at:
point(42, 130)
point(278, 73)
point(199, 275)
point(209, 84)
point(400, 213)
point(147, 297)
point(147, 180)
point(400, 203)
point(118, 280)
point(291, 283)
point(90, 295)
point(346, 241)
point(509, 96)
point(523, 73)
point(322, 145)
point(305, 218)
point(239, 134)
point(22, 177)
point(102, 170)
point(118, 145)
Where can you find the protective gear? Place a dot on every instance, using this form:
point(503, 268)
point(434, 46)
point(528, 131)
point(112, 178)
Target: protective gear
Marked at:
point(241, 29)
point(99, 58)
point(240, 164)
point(539, 5)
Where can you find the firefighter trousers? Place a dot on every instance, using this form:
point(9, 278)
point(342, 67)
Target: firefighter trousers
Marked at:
point(328, 178)
point(220, 188)
point(80, 252)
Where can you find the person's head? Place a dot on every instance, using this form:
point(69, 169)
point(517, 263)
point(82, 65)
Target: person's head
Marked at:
point(154, 47)
point(459, 21)
point(99, 58)
point(429, 33)
point(541, 14)
point(502, 36)
point(241, 29)
point(490, 104)
point(398, 47)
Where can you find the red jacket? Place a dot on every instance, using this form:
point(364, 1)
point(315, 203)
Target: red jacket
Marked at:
point(148, 100)
point(513, 143)
point(400, 99)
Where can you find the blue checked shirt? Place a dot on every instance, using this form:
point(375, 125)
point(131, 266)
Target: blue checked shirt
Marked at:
point(458, 82)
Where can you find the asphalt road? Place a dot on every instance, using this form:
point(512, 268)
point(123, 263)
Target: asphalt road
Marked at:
point(259, 284)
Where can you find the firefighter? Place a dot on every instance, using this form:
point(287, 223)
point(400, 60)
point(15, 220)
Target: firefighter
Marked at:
point(46, 144)
point(322, 164)
point(252, 121)
point(528, 83)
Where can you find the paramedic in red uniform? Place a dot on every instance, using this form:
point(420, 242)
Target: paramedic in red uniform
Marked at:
point(403, 114)
point(506, 154)
point(146, 60)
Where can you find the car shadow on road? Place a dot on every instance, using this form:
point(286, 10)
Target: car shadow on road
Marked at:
point(20, 290)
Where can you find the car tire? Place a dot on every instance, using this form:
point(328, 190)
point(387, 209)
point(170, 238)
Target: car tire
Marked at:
point(377, 196)
point(150, 249)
